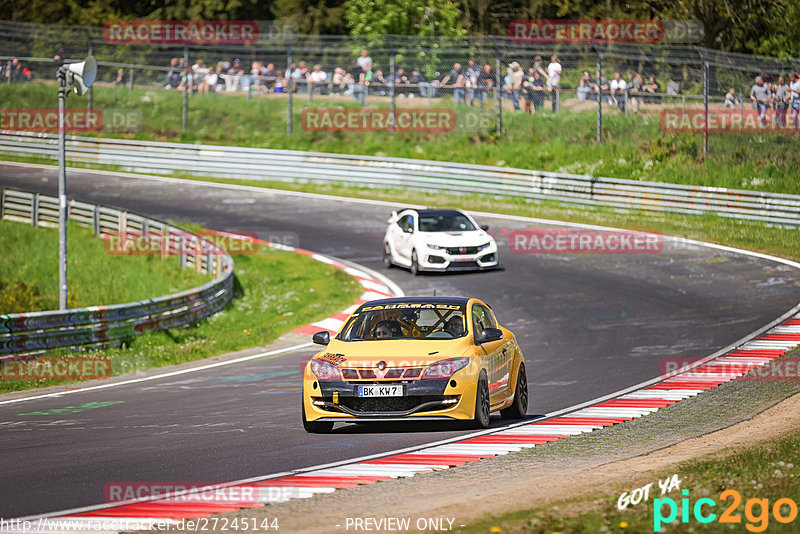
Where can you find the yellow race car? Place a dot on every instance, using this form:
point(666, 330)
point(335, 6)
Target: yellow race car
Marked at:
point(423, 358)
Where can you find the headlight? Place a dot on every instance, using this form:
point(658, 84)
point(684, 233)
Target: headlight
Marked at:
point(445, 368)
point(434, 247)
point(325, 370)
point(481, 247)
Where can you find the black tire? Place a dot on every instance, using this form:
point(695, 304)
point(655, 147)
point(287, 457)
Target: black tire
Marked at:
point(414, 263)
point(519, 407)
point(481, 419)
point(315, 427)
point(387, 256)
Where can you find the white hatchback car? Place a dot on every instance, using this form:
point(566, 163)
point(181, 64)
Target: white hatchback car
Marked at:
point(438, 240)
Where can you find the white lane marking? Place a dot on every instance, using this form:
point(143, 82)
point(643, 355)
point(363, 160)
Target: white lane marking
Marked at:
point(667, 394)
point(330, 323)
point(164, 375)
point(548, 430)
point(476, 448)
point(613, 412)
point(791, 329)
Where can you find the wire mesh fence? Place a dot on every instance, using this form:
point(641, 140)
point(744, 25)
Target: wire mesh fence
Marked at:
point(482, 84)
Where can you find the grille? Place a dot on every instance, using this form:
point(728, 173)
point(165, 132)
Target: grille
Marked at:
point(388, 404)
point(396, 373)
point(455, 251)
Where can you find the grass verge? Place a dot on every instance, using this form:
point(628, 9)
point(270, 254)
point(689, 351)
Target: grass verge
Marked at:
point(276, 291)
point(633, 147)
point(768, 471)
point(29, 271)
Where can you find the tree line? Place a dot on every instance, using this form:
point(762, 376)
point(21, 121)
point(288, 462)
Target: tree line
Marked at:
point(766, 27)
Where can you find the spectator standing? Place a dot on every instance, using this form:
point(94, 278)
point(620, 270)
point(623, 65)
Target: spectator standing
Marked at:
point(213, 78)
point(585, 86)
point(418, 80)
point(485, 81)
point(538, 67)
point(358, 84)
point(673, 88)
point(174, 74)
point(517, 77)
point(730, 99)
point(473, 74)
point(337, 81)
point(119, 79)
point(459, 82)
point(533, 88)
point(618, 87)
point(270, 76)
point(364, 60)
point(760, 95)
point(652, 86)
point(61, 55)
point(401, 83)
point(14, 70)
point(200, 72)
point(782, 94)
point(794, 100)
point(634, 92)
point(379, 81)
point(554, 80)
point(318, 80)
point(234, 74)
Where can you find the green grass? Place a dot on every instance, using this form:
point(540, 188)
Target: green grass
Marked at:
point(633, 147)
point(29, 271)
point(768, 471)
point(275, 292)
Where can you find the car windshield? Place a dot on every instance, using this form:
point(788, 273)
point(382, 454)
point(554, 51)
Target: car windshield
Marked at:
point(405, 321)
point(445, 221)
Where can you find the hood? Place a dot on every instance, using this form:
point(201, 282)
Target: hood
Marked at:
point(399, 353)
point(472, 238)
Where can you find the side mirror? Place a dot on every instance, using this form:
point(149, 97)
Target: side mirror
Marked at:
point(321, 338)
point(408, 230)
point(485, 227)
point(490, 334)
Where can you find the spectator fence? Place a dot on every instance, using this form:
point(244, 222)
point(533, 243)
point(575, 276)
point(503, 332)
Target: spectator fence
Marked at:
point(418, 72)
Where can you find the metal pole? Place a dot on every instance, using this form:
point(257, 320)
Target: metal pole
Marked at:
point(62, 190)
point(91, 89)
point(289, 85)
point(185, 120)
point(393, 104)
point(705, 107)
point(498, 101)
point(599, 96)
point(130, 81)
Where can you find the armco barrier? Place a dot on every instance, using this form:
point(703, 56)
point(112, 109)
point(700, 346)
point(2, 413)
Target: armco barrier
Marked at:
point(27, 333)
point(418, 175)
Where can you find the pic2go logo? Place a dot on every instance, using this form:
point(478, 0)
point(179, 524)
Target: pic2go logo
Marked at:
point(756, 511)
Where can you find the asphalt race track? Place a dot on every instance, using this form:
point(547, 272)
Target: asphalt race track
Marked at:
point(588, 324)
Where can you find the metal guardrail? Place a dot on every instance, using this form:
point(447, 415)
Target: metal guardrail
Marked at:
point(418, 175)
point(30, 333)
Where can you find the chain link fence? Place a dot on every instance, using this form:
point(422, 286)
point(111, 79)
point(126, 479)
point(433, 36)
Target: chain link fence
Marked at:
point(491, 86)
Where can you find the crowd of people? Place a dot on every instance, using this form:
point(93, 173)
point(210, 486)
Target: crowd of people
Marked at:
point(469, 84)
point(13, 71)
point(768, 94)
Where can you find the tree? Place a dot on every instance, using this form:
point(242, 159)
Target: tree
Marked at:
point(404, 17)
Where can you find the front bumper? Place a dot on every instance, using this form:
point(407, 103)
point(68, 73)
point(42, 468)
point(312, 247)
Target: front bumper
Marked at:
point(441, 260)
point(422, 399)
